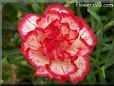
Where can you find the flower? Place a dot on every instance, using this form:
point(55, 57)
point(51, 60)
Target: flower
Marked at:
point(57, 43)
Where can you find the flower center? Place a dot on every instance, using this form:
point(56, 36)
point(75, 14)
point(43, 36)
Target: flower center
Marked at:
point(54, 44)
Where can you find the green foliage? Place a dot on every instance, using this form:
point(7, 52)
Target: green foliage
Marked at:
point(15, 67)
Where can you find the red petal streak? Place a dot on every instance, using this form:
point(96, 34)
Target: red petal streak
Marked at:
point(27, 24)
point(58, 8)
point(82, 64)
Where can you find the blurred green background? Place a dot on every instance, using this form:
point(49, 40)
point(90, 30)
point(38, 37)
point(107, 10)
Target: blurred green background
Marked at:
point(16, 69)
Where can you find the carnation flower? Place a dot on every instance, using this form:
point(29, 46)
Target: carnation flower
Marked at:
point(57, 43)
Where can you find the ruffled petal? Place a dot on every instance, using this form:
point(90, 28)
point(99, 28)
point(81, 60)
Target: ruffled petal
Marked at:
point(37, 59)
point(27, 24)
point(83, 68)
point(31, 41)
point(65, 67)
point(58, 8)
point(43, 72)
point(78, 48)
point(87, 36)
point(71, 21)
point(65, 29)
point(85, 32)
point(47, 18)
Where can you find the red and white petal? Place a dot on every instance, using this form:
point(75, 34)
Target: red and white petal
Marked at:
point(27, 24)
point(58, 8)
point(73, 34)
point(65, 29)
point(43, 72)
point(70, 20)
point(88, 36)
point(47, 18)
point(73, 52)
point(32, 42)
point(37, 59)
point(65, 67)
point(24, 49)
point(39, 33)
point(78, 48)
point(83, 68)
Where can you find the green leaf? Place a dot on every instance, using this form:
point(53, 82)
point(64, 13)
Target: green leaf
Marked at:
point(94, 14)
point(79, 12)
point(5, 62)
point(11, 52)
point(106, 27)
point(102, 75)
point(106, 47)
point(35, 7)
point(108, 62)
point(91, 79)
